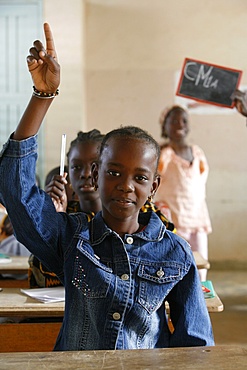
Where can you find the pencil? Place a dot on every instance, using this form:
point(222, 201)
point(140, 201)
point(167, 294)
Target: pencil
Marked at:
point(63, 147)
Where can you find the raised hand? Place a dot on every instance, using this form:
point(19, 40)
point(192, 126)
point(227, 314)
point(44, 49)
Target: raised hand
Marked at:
point(45, 71)
point(57, 192)
point(43, 65)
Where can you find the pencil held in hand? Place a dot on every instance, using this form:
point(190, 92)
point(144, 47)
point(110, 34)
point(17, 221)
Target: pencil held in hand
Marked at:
point(62, 161)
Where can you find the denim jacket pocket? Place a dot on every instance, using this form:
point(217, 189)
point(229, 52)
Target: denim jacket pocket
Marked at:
point(90, 276)
point(156, 281)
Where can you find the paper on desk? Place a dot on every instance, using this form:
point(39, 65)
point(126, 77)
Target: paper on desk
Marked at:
point(46, 295)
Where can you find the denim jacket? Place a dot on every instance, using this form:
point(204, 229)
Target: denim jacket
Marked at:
point(115, 287)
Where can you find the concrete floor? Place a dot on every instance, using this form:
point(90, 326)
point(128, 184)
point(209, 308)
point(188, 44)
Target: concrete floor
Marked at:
point(230, 326)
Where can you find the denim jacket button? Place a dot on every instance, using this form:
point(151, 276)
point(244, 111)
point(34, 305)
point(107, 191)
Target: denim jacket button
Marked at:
point(116, 316)
point(129, 240)
point(125, 277)
point(160, 273)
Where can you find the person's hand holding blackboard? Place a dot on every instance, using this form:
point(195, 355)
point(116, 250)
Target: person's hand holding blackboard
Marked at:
point(208, 83)
point(240, 99)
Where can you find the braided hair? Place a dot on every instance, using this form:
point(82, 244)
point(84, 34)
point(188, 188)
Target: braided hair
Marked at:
point(94, 136)
point(132, 132)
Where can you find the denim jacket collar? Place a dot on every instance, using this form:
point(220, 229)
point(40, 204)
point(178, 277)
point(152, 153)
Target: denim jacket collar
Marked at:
point(153, 232)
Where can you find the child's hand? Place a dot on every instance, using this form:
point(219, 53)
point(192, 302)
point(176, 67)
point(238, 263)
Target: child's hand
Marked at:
point(240, 99)
point(57, 192)
point(43, 65)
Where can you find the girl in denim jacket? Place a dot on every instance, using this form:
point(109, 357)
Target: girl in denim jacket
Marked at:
point(121, 267)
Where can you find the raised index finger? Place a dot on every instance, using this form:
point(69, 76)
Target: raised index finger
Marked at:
point(50, 46)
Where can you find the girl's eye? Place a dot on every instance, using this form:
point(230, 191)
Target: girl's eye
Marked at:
point(75, 167)
point(113, 173)
point(141, 178)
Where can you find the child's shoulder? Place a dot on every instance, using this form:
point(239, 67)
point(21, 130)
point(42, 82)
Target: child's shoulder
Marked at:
point(180, 244)
point(166, 151)
point(197, 150)
point(80, 220)
point(165, 146)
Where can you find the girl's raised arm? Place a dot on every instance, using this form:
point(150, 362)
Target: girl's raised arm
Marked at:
point(45, 71)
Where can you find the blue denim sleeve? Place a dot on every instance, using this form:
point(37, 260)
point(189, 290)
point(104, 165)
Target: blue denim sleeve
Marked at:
point(189, 314)
point(36, 223)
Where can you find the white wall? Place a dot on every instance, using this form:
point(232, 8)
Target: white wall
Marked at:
point(67, 114)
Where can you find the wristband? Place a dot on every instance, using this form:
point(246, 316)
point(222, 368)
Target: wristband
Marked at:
point(44, 95)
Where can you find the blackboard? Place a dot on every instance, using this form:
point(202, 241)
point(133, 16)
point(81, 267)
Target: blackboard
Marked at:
point(208, 83)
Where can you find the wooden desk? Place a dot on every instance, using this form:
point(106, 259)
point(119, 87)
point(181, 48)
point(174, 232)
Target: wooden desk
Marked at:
point(201, 263)
point(13, 303)
point(18, 265)
point(216, 358)
point(214, 304)
point(30, 336)
point(19, 337)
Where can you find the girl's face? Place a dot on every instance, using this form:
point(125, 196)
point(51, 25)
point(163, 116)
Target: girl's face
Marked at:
point(80, 161)
point(177, 125)
point(126, 177)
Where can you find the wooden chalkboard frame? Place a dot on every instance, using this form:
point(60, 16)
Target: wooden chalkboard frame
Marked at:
point(216, 88)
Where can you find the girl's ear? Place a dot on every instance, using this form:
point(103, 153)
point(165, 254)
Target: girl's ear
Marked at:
point(155, 185)
point(95, 173)
point(163, 132)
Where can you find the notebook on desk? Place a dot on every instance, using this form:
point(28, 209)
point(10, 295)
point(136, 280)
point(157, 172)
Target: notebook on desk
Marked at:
point(208, 289)
point(4, 258)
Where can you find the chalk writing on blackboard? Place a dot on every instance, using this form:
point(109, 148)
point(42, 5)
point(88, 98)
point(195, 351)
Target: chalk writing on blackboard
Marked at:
point(208, 83)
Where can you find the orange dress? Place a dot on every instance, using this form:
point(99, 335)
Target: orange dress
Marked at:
point(181, 195)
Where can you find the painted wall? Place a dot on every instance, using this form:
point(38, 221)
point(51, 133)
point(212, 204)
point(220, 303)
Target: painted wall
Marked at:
point(120, 60)
point(67, 114)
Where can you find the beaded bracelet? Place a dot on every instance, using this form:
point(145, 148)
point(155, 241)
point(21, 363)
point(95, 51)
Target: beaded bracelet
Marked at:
point(44, 95)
